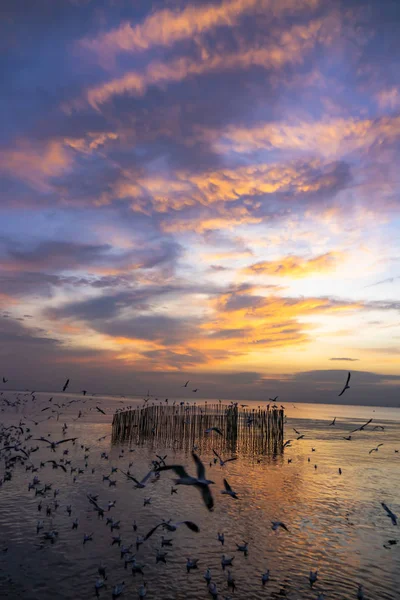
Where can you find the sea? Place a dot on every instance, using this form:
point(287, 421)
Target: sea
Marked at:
point(335, 521)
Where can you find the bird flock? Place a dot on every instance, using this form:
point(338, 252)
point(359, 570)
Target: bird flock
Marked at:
point(19, 448)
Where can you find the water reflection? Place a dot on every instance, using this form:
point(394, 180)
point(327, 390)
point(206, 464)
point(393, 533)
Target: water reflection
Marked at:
point(336, 522)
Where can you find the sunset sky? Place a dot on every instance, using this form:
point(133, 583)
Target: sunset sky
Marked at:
point(201, 190)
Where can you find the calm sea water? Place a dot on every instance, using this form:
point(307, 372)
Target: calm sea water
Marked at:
point(336, 523)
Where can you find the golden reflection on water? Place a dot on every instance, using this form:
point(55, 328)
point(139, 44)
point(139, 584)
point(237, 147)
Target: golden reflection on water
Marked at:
point(336, 523)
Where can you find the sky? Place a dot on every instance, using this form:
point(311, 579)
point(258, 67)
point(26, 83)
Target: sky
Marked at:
point(203, 190)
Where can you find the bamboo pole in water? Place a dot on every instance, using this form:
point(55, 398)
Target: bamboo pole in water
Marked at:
point(255, 431)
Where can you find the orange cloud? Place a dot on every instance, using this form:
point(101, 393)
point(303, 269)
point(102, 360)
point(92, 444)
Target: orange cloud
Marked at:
point(166, 27)
point(328, 137)
point(288, 47)
point(296, 266)
point(36, 164)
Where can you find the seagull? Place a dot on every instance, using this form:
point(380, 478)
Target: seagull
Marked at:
point(221, 538)
point(66, 385)
point(196, 390)
point(375, 449)
point(226, 561)
point(100, 410)
point(297, 432)
point(313, 577)
point(348, 438)
point(287, 444)
point(228, 490)
point(265, 577)
point(276, 524)
point(172, 527)
point(5, 380)
point(222, 462)
point(200, 481)
point(333, 422)
point(360, 592)
point(346, 387)
point(216, 429)
point(54, 445)
point(300, 437)
point(186, 384)
point(139, 484)
point(207, 575)
point(362, 427)
point(191, 564)
point(118, 589)
point(243, 547)
point(142, 590)
point(274, 399)
point(390, 514)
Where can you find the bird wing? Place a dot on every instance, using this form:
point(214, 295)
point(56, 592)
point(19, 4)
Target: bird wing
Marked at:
point(216, 454)
point(386, 508)
point(348, 378)
point(100, 410)
point(201, 472)
point(192, 526)
point(146, 537)
point(67, 440)
point(179, 470)
point(149, 474)
point(42, 439)
point(207, 496)
point(129, 476)
point(379, 445)
point(230, 459)
point(227, 486)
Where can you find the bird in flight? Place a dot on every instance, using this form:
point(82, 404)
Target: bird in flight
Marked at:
point(390, 514)
point(186, 384)
point(333, 422)
point(173, 527)
point(200, 481)
point(196, 390)
point(216, 429)
point(375, 449)
point(54, 445)
point(222, 462)
point(100, 410)
point(229, 491)
point(274, 399)
point(66, 385)
point(5, 380)
point(346, 387)
point(362, 427)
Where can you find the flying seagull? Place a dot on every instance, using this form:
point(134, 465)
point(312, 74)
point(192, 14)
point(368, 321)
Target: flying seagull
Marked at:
point(172, 527)
point(53, 445)
point(333, 422)
point(216, 429)
point(346, 387)
point(186, 384)
point(66, 385)
point(222, 462)
point(200, 481)
point(375, 449)
point(229, 491)
point(390, 514)
point(100, 410)
point(362, 427)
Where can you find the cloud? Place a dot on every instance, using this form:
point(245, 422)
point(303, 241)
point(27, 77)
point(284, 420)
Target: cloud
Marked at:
point(329, 137)
point(36, 164)
point(296, 266)
point(288, 47)
point(69, 256)
point(344, 358)
point(167, 27)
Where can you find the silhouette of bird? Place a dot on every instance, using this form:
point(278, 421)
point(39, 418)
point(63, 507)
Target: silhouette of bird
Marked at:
point(346, 387)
